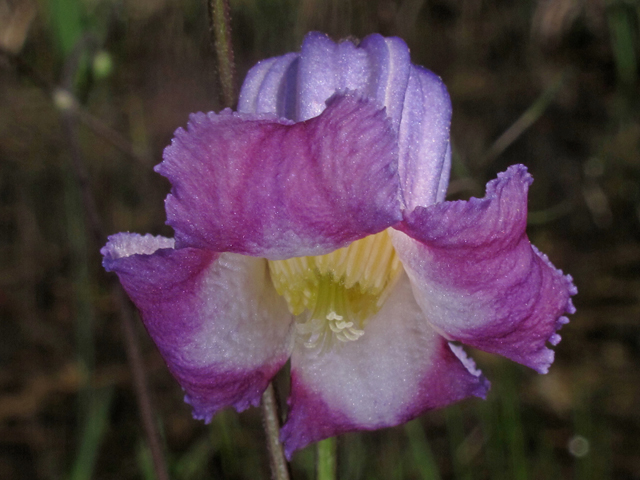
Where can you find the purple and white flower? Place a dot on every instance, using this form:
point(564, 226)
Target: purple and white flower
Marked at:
point(312, 225)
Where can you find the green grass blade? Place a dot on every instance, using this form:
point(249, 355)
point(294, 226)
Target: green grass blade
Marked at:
point(66, 23)
point(421, 452)
point(194, 461)
point(145, 462)
point(327, 451)
point(455, 432)
point(512, 425)
point(494, 441)
point(92, 436)
point(621, 21)
point(526, 120)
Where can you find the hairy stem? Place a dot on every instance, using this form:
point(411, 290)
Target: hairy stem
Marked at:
point(271, 420)
point(220, 28)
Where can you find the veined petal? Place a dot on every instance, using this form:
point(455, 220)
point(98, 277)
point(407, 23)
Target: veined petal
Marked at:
point(390, 66)
point(270, 87)
point(378, 69)
point(479, 280)
point(216, 318)
point(272, 189)
point(397, 370)
point(424, 139)
point(444, 176)
point(326, 67)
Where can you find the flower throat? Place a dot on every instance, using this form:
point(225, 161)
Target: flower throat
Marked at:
point(338, 291)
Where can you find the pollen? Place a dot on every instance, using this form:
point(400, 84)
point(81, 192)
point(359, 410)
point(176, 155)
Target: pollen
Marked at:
point(334, 295)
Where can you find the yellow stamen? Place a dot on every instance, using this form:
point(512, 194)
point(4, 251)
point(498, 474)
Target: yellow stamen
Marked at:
point(333, 295)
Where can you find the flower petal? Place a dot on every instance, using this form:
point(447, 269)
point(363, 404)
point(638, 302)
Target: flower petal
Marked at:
point(479, 280)
point(397, 370)
point(326, 67)
point(424, 139)
point(444, 176)
point(390, 66)
point(216, 318)
point(270, 87)
point(378, 68)
point(245, 184)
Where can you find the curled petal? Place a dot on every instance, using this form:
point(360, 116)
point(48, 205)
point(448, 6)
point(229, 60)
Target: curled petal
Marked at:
point(424, 163)
point(378, 69)
point(397, 370)
point(390, 66)
point(270, 87)
point(216, 319)
point(268, 188)
point(444, 177)
point(324, 68)
point(478, 278)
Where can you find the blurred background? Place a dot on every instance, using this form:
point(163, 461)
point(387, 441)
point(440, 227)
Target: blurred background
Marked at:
point(552, 84)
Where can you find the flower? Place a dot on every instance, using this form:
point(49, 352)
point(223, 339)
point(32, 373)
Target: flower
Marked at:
point(312, 225)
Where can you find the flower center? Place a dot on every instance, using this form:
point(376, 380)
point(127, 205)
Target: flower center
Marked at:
point(333, 295)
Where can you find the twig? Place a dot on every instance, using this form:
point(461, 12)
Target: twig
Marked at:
point(271, 421)
point(126, 315)
point(68, 107)
point(58, 94)
point(220, 30)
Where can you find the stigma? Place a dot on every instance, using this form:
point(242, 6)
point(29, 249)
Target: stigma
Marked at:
point(333, 295)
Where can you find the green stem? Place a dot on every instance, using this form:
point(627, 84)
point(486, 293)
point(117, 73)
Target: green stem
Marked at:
point(326, 462)
point(220, 27)
point(271, 420)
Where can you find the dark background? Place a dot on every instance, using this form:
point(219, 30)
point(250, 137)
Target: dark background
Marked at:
point(552, 84)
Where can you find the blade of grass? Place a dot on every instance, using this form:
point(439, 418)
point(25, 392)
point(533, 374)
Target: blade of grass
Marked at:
point(583, 438)
point(512, 425)
point(134, 355)
point(92, 436)
point(455, 431)
point(225, 423)
point(495, 448)
point(326, 459)
point(81, 283)
point(145, 462)
point(421, 452)
point(528, 118)
point(620, 21)
point(194, 461)
point(66, 23)
point(354, 457)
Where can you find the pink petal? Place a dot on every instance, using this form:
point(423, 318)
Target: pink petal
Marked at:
point(397, 370)
point(263, 187)
point(479, 280)
point(380, 69)
point(216, 318)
